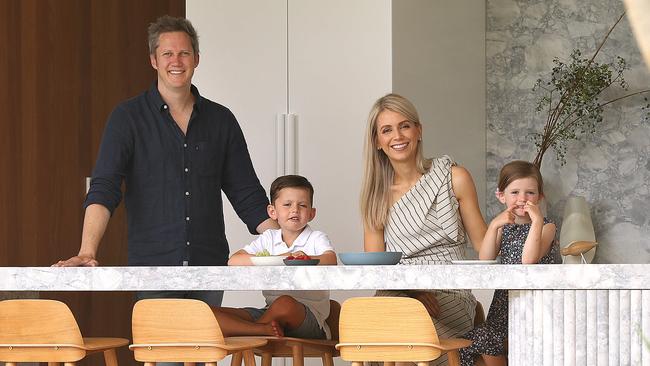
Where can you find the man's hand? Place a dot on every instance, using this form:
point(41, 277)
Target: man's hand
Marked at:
point(77, 261)
point(428, 299)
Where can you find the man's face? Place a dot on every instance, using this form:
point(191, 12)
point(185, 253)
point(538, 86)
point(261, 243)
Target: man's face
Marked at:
point(175, 60)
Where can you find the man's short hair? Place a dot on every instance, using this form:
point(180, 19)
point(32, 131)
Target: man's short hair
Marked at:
point(291, 181)
point(166, 24)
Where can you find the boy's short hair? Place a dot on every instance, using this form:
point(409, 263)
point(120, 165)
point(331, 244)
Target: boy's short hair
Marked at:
point(291, 181)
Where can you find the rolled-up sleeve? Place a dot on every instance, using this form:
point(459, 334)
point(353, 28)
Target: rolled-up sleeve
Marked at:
point(115, 151)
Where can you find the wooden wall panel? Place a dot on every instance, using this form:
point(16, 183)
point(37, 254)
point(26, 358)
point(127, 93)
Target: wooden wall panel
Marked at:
point(65, 65)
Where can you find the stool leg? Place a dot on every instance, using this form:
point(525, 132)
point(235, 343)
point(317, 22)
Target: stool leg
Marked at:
point(267, 358)
point(210, 364)
point(454, 358)
point(356, 363)
point(249, 357)
point(51, 364)
point(236, 359)
point(423, 363)
point(110, 357)
point(149, 364)
point(69, 363)
point(327, 358)
point(298, 358)
point(189, 363)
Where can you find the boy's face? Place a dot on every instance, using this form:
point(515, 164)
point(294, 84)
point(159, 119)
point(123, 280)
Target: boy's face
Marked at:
point(292, 209)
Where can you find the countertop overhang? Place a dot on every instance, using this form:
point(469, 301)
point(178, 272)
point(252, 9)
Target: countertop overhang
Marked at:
point(544, 277)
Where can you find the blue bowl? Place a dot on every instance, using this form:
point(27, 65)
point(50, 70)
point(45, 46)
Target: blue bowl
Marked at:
point(370, 258)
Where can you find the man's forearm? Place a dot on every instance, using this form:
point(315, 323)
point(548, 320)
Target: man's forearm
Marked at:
point(95, 223)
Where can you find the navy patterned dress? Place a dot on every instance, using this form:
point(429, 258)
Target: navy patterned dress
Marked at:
point(489, 337)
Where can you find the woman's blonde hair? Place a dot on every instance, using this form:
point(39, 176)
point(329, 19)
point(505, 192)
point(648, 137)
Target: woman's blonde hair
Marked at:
point(378, 172)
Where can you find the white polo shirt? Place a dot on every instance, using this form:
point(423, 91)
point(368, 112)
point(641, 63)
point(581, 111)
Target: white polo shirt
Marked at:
point(310, 242)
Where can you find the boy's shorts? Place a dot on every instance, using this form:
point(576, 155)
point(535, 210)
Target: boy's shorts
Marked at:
point(309, 329)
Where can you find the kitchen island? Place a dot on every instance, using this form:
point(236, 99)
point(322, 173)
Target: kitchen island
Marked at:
point(594, 314)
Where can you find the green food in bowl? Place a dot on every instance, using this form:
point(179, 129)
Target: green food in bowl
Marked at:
point(264, 253)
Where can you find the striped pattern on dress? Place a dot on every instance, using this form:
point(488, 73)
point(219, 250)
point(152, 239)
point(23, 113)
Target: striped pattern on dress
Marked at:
point(425, 225)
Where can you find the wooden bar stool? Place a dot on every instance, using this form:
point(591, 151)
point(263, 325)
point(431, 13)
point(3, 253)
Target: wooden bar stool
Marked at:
point(392, 329)
point(299, 348)
point(183, 330)
point(46, 331)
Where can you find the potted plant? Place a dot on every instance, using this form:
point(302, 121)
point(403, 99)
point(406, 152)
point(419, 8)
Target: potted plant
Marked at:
point(573, 99)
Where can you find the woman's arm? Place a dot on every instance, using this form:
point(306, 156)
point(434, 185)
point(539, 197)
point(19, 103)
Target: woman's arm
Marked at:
point(373, 240)
point(465, 191)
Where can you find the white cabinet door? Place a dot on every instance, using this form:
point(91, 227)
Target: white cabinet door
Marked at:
point(243, 66)
point(324, 61)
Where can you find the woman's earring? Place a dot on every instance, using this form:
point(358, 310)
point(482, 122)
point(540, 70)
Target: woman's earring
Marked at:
point(420, 138)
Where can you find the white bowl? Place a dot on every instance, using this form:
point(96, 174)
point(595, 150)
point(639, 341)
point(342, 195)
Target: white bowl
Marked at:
point(272, 260)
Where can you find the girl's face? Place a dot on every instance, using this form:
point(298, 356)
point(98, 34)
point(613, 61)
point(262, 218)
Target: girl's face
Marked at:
point(397, 136)
point(518, 192)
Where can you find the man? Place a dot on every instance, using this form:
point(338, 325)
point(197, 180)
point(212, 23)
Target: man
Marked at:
point(175, 152)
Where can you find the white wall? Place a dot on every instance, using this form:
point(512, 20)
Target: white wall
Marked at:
point(439, 63)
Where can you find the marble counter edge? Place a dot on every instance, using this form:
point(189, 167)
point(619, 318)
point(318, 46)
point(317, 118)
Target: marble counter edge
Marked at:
point(592, 276)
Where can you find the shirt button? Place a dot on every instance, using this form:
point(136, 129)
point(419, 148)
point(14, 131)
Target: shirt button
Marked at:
point(165, 106)
point(184, 145)
point(187, 193)
point(188, 243)
point(187, 218)
point(187, 170)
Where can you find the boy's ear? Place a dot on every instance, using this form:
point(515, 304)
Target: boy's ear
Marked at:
point(312, 213)
point(270, 209)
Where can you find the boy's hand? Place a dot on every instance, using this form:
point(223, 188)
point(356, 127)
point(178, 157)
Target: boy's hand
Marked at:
point(504, 218)
point(299, 253)
point(533, 211)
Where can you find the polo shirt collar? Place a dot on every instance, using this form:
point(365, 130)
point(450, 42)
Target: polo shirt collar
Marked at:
point(300, 241)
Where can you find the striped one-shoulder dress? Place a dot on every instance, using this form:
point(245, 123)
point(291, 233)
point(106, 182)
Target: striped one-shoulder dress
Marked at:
point(425, 225)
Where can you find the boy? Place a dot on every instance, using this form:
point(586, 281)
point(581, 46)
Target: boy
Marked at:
point(299, 314)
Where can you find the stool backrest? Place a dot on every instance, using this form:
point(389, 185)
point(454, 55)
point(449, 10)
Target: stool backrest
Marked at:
point(178, 330)
point(38, 330)
point(386, 329)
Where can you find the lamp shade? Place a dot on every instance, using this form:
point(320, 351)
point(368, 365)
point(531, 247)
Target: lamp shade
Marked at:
point(638, 11)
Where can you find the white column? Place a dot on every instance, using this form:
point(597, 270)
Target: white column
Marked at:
point(636, 313)
point(569, 328)
point(592, 328)
point(614, 329)
point(602, 311)
point(624, 326)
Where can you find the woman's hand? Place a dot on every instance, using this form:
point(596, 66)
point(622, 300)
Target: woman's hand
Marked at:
point(428, 299)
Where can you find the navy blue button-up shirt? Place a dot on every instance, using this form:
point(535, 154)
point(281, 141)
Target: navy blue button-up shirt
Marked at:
point(173, 181)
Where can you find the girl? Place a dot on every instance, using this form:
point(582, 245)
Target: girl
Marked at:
point(522, 235)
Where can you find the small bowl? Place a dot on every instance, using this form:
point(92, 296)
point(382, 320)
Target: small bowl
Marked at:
point(371, 258)
point(301, 262)
point(272, 260)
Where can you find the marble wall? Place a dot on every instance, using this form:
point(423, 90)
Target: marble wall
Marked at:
point(611, 168)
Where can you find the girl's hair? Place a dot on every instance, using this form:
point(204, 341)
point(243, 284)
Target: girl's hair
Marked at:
point(378, 172)
point(519, 169)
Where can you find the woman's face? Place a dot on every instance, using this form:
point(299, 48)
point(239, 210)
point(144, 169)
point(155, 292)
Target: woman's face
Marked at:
point(397, 136)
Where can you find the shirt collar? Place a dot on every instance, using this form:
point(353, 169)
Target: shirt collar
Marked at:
point(300, 241)
point(158, 102)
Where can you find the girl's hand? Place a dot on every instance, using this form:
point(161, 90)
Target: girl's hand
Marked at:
point(533, 211)
point(504, 218)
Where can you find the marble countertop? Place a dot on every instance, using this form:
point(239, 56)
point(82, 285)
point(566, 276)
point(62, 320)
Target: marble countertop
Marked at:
point(573, 276)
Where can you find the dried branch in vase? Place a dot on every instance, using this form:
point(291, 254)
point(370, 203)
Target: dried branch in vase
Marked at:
point(573, 101)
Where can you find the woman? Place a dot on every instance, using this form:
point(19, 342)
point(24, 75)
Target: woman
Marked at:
point(420, 207)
